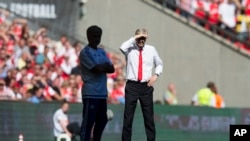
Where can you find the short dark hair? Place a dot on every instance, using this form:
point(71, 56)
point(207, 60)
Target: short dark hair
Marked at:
point(64, 101)
point(94, 29)
point(210, 84)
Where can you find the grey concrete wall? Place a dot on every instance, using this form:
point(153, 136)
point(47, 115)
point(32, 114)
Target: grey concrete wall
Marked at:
point(190, 57)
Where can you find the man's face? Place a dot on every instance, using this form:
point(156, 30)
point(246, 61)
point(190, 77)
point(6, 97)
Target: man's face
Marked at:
point(94, 39)
point(65, 107)
point(140, 42)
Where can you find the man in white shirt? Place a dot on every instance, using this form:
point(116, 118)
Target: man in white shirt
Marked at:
point(61, 121)
point(5, 92)
point(227, 12)
point(141, 59)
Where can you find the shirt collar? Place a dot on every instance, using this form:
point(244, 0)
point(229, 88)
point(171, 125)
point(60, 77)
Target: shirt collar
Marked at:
point(139, 48)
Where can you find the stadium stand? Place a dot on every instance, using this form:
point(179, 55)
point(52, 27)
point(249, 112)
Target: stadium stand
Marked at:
point(209, 15)
point(38, 68)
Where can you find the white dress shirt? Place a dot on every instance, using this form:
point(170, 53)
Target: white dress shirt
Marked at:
point(150, 59)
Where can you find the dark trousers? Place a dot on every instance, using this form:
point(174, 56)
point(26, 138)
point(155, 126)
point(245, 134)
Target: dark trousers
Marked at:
point(94, 117)
point(135, 91)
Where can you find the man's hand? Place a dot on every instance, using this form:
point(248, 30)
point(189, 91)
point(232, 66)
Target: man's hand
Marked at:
point(69, 134)
point(106, 64)
point(152, 80)
point(141, 35)
point(104, 68)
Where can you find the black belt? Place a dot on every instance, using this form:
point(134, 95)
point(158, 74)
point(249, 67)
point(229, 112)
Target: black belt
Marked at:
point(137, 82)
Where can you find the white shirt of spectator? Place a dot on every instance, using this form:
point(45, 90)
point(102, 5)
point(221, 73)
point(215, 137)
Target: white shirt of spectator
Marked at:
point(59, 116)
point(7, 94)
point(185, 5)
point(59, 46)
point(194, 5)
point(71, 53)
point(227, 12)
point(41, 48)
point(66, 66)
point(51, 54)
point(64, 51)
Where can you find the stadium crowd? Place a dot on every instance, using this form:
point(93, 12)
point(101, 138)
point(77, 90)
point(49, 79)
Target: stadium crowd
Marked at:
point(232, 17)
point(36, 68)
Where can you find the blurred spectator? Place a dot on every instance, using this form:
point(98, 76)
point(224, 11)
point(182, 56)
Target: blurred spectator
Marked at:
point(21, 47)
point(25, 32)
point(200, 11)
point(40, 35)
point(171, 4)
point(5, 92)
point(76, 95)
point(62, 124)
point(77, 46)
point(56, 85)
point(246, 6)
point(121, 82)
point(60, 44)
point(227, 12)
point(68, 51)
point(61, 121)
point(117, 94)
point(18, 91)
point(185, 6)
point(17, 27)
point(213, 16)
point(35, 95)
point(4, 14)
point(243, 25)
point(76, 70)
point(219, 101)
point(205, 96)
point(11, 74)
point(110, 84)
point(66, 65)
point(170, 96)
point(50, 94)
point(4, 67)
point(66, 90)
point(23, 60)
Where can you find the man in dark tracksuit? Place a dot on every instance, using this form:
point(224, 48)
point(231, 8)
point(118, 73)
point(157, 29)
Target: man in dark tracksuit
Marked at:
point(94, 65)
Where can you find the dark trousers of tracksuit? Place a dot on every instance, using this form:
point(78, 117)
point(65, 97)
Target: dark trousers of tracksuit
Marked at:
point(94, 117)
point(135, 91)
